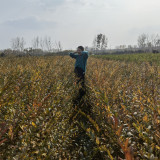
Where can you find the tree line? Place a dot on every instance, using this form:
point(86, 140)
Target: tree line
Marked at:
point(38, 43)
point(45, 45)
point(145, 43)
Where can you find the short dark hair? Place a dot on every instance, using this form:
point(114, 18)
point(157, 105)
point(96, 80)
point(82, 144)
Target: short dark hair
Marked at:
point(81, 47)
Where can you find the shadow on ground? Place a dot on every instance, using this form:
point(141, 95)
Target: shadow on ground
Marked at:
point(82, 143)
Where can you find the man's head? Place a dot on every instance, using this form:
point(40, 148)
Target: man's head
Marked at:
point(80, 49)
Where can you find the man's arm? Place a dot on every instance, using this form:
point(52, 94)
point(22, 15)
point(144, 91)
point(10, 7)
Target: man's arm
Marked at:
point(85, 53)
point(73, 55)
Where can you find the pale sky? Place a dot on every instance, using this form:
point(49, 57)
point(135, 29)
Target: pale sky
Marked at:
point(76, 22)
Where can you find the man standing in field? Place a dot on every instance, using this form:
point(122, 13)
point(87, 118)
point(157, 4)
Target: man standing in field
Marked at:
point(81, 57)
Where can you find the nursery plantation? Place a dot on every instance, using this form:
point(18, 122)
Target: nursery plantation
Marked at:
point(138, 58)
point(43, 116)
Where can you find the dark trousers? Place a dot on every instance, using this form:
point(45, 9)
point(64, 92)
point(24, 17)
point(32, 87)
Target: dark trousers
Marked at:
point(80, 75)
point(80, 79)
point(78, 100)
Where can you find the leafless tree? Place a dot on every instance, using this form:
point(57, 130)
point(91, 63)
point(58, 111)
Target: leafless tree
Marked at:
point(158, 43)
point(22, 44)
point(18, 44)
point(41, 43)
point(36, 43)
point(148, 43)
point(60, 46)
point(142, 41)
point(95, 43)
point(100, 42)
point(47, 43)
point(104, 42)
point(155, 40)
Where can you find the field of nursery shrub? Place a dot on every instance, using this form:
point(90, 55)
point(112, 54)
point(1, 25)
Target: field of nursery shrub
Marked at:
point(138, 57)
point(43, 116)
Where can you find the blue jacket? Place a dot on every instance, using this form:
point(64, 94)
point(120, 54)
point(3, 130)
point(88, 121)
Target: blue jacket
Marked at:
point(81, 60)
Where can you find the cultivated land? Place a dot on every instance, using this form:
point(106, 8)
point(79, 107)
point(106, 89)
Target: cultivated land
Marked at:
point(43, 117)
point(138, 58)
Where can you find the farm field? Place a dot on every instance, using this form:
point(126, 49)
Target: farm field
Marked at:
point(138, 58)
point(43, 117)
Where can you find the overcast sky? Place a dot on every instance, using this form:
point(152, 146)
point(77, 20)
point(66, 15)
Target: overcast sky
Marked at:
point(76, 22)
